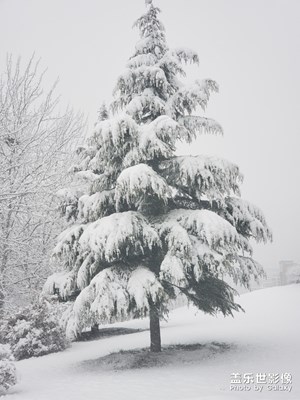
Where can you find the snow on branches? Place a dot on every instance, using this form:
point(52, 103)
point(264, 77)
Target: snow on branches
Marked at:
point(175, 238)
point(113, 295)
point(68, 202)
point(186, 55)
point(202, 177)
point(149, 25)
point(196, 124)
point(247, 218)
point(141, 59)
point(119, 236)
point(173, 270)
point(199, 242)
point(104, 299)
point(67, 242)
point(62, 283)
point(137, 80)
point(97, 205)
point(8, 373)
point(113, 135)
point(158, 138)
point(188, 98)
point(145, 105)
point(211, 229)
point(142, 285)
point(136, 183)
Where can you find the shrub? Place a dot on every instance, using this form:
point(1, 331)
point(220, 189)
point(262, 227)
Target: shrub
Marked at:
point(8, 376)
point(34, 331)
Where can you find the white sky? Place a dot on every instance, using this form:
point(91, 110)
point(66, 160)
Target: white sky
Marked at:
point(250, 47)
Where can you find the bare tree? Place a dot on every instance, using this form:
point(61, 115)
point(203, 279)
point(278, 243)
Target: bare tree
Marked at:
point(35, 150)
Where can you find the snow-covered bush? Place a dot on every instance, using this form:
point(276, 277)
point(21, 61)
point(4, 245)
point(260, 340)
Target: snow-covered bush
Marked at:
point(34, 331)
point(8, 376)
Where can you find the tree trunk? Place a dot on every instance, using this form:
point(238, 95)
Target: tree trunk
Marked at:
point(95, 328)
point(155, 345)
point(2, 298)
point(3, 268)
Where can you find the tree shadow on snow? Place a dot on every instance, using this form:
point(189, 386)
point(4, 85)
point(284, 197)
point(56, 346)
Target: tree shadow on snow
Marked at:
point(105, 332)
point(143, 358)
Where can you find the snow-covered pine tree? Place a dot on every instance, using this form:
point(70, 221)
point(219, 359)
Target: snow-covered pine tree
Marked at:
point(154, 224)
point(103, 113)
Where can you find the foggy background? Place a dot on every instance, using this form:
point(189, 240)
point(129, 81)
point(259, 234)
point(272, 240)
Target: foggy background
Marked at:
point(250, 47)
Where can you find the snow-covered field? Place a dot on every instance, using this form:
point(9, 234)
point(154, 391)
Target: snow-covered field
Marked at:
point(266, 339)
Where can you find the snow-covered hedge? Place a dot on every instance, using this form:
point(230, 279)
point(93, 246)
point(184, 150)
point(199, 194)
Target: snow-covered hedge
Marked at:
point(34, 331)
point(8, 376)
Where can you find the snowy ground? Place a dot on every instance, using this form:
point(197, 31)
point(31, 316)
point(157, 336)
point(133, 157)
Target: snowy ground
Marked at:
point(264, 340)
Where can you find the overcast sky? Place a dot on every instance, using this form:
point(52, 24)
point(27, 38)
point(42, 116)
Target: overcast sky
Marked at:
point(250, 47)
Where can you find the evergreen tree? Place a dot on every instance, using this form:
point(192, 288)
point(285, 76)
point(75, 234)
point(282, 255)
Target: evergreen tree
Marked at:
point(153, 224)
point(103, 113)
